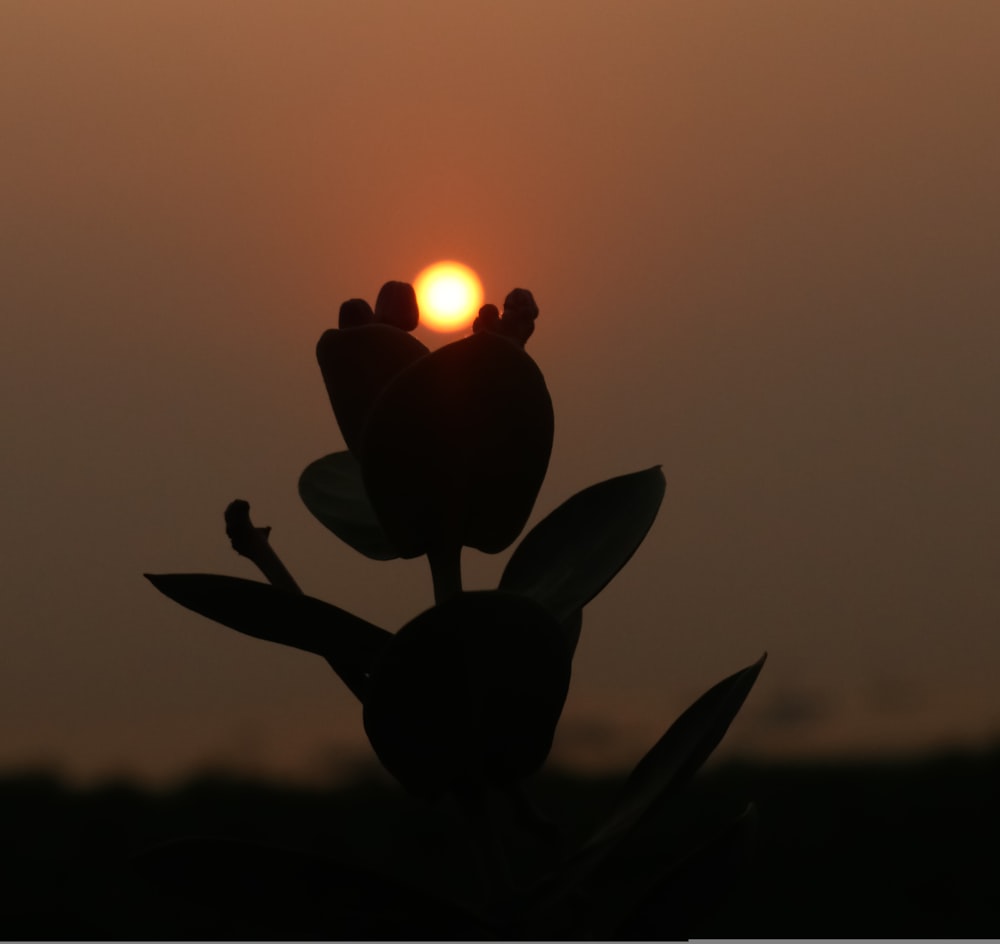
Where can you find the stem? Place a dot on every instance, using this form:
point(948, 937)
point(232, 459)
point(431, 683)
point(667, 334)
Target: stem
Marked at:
point(487, 843)
point(529, 816)
point(446, 572)
point(251, 542)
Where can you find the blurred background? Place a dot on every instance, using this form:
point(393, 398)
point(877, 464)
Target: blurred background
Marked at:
point(764, 239)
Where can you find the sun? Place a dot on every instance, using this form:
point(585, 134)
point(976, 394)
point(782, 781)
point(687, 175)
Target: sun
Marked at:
point(449, 295)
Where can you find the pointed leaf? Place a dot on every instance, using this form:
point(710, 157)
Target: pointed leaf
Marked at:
point(350, 644)
point(677, 899)
point(676, 757)
point(569, 556)
point(333, 491)
point(578, 891)
point(571, 627)
point(656, 884)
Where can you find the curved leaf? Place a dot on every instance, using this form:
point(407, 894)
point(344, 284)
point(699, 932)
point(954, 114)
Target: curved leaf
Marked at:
point(678, 897)
point(594, 886)
point(676, 757)
point(332, 489)
point(571, 555)
point(350, 644)
point(571, 627)
point(657, 884)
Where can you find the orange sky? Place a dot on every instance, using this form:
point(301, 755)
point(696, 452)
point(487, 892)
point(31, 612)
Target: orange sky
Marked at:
point(764, 239)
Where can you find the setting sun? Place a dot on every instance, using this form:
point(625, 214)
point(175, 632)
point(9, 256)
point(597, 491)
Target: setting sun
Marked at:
point(449, 295)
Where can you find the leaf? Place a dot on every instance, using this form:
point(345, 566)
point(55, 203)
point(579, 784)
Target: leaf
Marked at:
point(676, 757)
point(580, 889)
point(455, 449)
point(677, 899)
point(333, 491)
point(655, 886)
point(571, 555)
point(350, 644)
point(282, 894)
point(571, 627)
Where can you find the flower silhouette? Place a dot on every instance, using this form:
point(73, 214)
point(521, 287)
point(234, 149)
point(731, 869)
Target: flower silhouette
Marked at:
point(452, 445)
point(445, 450)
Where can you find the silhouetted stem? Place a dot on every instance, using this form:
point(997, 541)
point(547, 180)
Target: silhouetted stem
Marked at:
point(446, 572)
point(487, 844)
point(252, 543)
point(529, 816)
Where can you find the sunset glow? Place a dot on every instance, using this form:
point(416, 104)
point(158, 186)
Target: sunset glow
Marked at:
point(449, 295)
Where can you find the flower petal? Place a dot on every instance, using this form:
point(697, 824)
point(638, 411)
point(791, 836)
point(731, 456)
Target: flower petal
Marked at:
point(357, 364)
point(455, 450)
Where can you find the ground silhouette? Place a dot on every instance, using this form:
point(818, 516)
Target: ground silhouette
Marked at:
point(843, 850)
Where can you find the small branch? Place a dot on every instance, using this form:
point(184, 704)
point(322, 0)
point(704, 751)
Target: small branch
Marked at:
point(251, 542)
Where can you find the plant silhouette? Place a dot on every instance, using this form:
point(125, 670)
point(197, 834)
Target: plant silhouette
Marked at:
point(445, 450)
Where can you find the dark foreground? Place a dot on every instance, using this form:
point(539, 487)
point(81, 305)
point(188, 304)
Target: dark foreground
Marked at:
point(861, 850)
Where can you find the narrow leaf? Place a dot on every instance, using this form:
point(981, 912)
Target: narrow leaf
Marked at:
point(676, 757)
point(655, 884)
point(571, 627)
point(333, 491)
point(579, 889)
point(570, 556)
point(679, 899)
point(350, 644)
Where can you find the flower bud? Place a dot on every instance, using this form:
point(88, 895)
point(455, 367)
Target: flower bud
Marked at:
point(397, 305)
point(520, 305)
point(354, 313)
point(487, 320)
point(519, 314)
point(468, 693)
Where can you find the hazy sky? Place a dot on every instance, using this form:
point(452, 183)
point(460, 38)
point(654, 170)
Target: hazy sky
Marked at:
point(765, 239)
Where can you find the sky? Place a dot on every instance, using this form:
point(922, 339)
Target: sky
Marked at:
point(764, 239)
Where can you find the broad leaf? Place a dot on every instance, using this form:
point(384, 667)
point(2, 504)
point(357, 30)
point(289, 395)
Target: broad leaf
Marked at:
point(350, 644)
point(569, 556)
point(333, 491)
